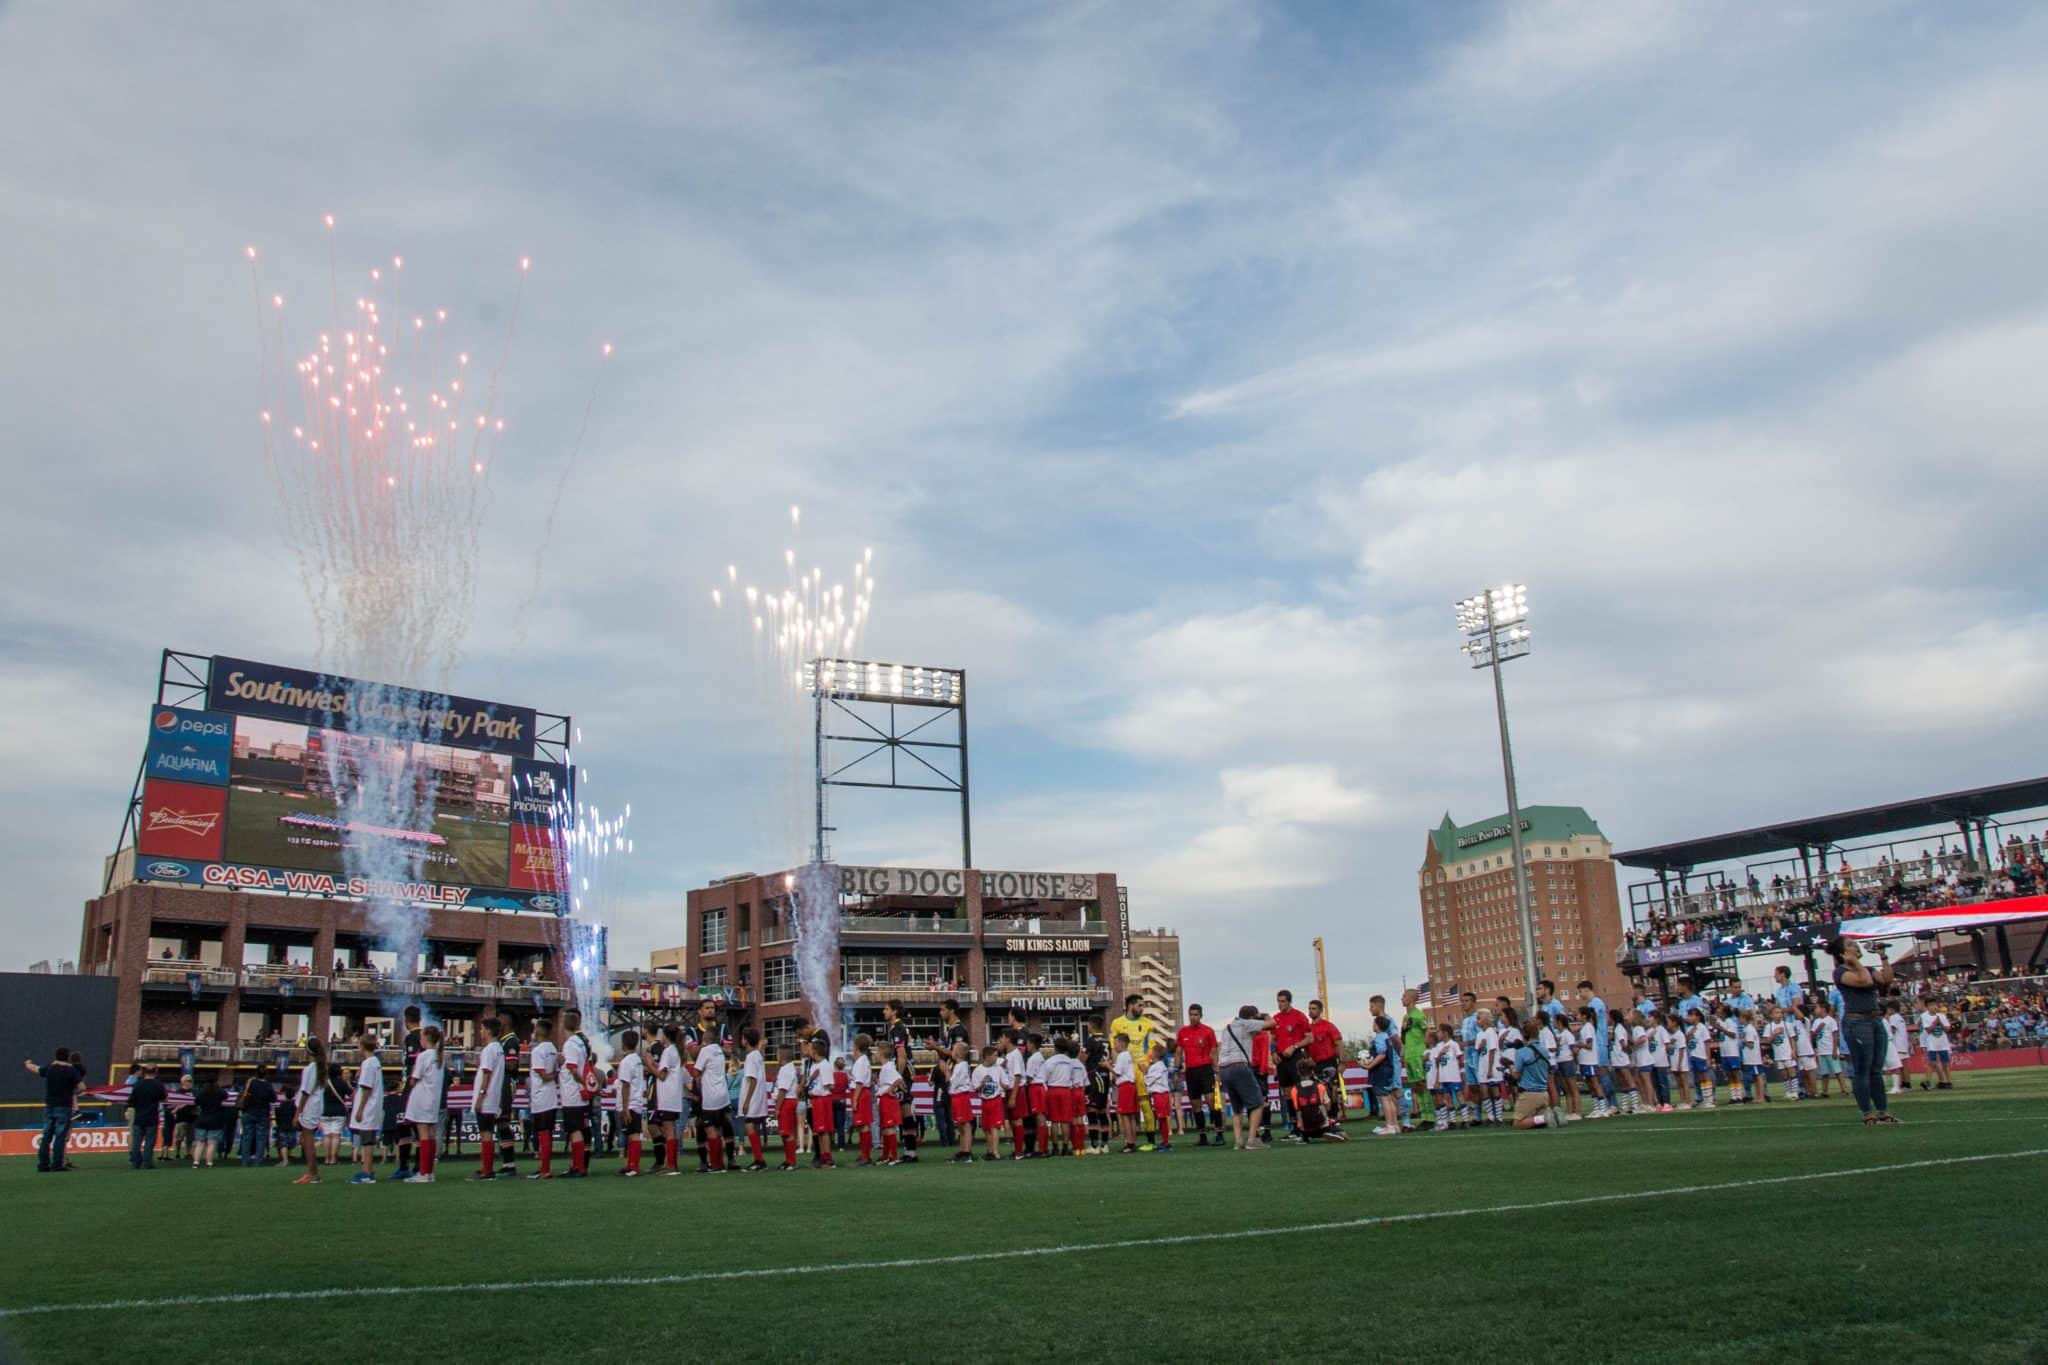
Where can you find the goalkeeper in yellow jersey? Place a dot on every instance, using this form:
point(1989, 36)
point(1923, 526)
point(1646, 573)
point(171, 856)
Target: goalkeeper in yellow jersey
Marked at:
point(1133, 1026)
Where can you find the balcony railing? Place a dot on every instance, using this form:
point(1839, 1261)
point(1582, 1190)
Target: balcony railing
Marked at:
point(274, 978)
point(180, 974)
point(901, 924)
point(366, 981)
point(902, 990)
point(171, 1049)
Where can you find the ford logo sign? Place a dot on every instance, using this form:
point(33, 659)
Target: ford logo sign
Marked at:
point(542, 902)
point(167, 869)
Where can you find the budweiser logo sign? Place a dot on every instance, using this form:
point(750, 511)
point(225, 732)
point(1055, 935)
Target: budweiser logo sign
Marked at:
point(165, 818)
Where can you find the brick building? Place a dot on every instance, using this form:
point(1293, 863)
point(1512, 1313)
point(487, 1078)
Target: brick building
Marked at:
point(1046, 943)
point(1470, 926)
point(232, 978)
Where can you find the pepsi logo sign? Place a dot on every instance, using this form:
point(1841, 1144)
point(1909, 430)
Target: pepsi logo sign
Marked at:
point(166, 721)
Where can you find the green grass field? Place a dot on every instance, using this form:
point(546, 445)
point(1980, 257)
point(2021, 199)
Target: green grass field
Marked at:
point(480, 846)
point(1606, 1241)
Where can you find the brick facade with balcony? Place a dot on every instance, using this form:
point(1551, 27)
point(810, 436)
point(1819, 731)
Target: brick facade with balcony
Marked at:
point(255, 972)
point(1045, 944)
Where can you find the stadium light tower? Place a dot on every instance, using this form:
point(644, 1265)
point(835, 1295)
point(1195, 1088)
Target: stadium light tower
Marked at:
point(1496, 627)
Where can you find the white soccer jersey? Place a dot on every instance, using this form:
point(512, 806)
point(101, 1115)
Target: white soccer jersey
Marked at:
point(1639, 1044)
point(987, 1081)
point(1752, 1046)
point(1824, 1031)
point(1660, 1047)
point(1731, 1037)
point(1781, 1042)
point(423, 1102)
point(1157, 1082)
point(863, 1077)
point(1013, 1069)
point(1489, 1055)
point(1126, 1072)
point(543, 1092)
point(1934, 1031)
point(1802, 1042)
point(490, 1077)
point(369, 1106)
point(1696, 1042)
point(1034, 1069)
point(1901, 1043)
point(820, 1082)
point(307, 1097)
point(714, 1091)
point(754, 1086)
point(575, 1057)
point(668, 1081)
point(887, 1078)
point(632, 1084)
point(1589, 1045)
point(786, 1081)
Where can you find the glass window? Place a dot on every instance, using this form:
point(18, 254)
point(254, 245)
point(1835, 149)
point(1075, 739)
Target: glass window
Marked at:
point(1062, 971)
point(1005, 970)
point(778, 979)
point(713, 936)
point(863, 969)
point(714, 978)
point(928, 969)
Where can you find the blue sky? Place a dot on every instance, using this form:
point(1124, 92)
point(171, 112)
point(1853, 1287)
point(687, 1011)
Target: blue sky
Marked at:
point(1182, 365)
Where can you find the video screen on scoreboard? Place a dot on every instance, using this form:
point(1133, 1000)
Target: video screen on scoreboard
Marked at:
point(256, 791)
point(286, 790)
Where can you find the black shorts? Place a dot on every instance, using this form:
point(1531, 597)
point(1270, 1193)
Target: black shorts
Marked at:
point(540, 1121)
point(668, 1116)
point(507, 1130)
point(633, 1123)
point(575, 1120)
point(1201, 1081)
point(716, 1121)
point(1288, 1072)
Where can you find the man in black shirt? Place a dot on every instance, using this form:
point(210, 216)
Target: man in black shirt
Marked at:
point(60, 1086)
point(508, 1137)
point(145, 1110)
point(256, 1099)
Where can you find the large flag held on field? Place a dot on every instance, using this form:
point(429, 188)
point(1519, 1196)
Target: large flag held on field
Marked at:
point(1947, 918)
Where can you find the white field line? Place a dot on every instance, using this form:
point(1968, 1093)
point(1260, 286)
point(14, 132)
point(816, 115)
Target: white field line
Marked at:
point(387, 1291)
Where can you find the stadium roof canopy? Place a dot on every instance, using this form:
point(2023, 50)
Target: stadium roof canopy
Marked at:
point(1822, 831)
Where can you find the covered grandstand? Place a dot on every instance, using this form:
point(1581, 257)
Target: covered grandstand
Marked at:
point(1787, 887)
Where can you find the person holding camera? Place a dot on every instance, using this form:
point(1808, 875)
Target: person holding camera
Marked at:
point(1863, 1024)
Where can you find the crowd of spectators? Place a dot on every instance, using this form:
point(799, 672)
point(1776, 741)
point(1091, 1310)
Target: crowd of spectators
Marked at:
point(1939, 876)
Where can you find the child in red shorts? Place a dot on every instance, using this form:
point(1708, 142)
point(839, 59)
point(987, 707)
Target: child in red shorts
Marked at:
point(1159, 1089)
point(822, 1082)
point(1126, 1074)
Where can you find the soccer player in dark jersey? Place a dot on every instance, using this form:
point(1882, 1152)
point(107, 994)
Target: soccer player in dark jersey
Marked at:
point(896, 1036)
point(508, 1134)
point(407, 1143)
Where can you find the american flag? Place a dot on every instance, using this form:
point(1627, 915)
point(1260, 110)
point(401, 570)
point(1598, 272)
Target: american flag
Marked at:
point(1422, 995)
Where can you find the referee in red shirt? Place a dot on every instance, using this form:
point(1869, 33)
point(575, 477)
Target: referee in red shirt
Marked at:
point(1197, 1044)
point(1325, 1053)
point(1290, 1040)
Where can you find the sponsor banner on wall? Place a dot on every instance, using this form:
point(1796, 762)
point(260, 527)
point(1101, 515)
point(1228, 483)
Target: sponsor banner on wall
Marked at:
point(329, 702)
point(864, 882)
point(22, 1141)
point(538, 862)
point(1038, 886)
point(188, 746)
point(180, 820)
point(1674, 952)
point(292, 881)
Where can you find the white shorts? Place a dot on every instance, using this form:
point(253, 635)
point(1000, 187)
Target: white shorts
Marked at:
point(334, 1127)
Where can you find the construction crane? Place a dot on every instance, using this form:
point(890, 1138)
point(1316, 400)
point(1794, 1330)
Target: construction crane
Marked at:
point(1322, 978)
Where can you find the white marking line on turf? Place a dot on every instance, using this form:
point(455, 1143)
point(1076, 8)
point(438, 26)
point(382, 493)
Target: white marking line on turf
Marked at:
point(1718, 1126)
point(971, 1257)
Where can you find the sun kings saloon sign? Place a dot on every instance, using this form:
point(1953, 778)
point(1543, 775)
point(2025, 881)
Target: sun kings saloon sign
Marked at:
point(864, 882)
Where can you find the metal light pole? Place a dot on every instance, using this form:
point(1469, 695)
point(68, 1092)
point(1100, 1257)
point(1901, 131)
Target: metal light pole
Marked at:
point(1496, 630)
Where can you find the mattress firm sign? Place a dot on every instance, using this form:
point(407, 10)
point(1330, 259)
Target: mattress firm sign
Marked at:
point(864, 882)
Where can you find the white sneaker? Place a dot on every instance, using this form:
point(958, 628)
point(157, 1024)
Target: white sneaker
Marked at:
point(1384, 1131)
point(1573, 1118)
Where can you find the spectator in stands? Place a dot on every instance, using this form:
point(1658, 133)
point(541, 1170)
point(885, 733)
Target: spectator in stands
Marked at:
point(61, 1079)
